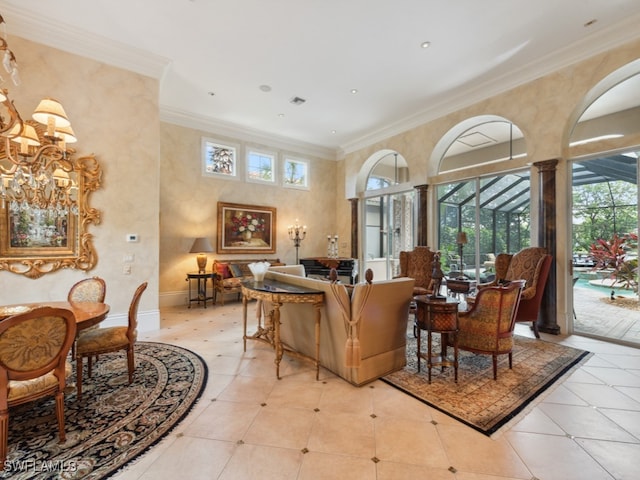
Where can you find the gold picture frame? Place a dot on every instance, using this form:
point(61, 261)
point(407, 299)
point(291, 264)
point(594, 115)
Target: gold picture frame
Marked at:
point(32, 246)
point(246, 228)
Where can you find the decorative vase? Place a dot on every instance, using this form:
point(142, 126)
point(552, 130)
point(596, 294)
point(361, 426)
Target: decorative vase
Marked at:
point(246, 235)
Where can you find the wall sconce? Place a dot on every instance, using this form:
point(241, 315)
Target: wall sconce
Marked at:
point(461, 239)
point(201, 246)
point(297, 233)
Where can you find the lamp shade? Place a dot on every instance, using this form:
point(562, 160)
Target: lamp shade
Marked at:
point(48, 109)
point(201, 245)
point(461, 238)
point(66, 134)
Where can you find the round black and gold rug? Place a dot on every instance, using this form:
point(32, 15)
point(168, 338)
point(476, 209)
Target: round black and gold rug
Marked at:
point(114, 423)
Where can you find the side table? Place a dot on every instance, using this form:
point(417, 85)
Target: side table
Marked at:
point(437, 316)
point(201, 287)
point(460, 286)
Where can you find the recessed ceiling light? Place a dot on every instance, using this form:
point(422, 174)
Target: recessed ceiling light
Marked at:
point(354, 91)
point(265, 88)
point(333, 131)
point(281, 115)
point(425, 44)
point(297, 100)
point(211, 93)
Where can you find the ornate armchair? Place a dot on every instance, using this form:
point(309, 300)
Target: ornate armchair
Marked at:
point(33, 363)
point(488, 327)
point(417, 264)
point(531, 264)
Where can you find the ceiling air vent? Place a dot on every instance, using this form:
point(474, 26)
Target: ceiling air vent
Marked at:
point(297, 100)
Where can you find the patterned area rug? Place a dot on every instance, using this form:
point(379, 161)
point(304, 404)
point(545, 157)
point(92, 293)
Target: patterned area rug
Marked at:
point(114, 423)
point(477, 400)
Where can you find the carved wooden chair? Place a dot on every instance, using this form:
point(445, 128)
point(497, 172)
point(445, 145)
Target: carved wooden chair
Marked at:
point(33, 362)
point(531, 264)
point(92, 289)
point(95, 342)
point(488, 327)
point(417, 264)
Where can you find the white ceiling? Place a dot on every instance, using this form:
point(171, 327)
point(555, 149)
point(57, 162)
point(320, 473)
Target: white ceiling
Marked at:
point(320, 50)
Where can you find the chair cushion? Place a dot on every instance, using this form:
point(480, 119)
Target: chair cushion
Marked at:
point(101, 339)
point(22, 388)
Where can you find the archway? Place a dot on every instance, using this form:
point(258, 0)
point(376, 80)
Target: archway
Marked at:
point(388, 212)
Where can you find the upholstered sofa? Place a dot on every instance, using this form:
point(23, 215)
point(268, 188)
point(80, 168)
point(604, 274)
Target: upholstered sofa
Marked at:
point(363, 330)
point(228, 275)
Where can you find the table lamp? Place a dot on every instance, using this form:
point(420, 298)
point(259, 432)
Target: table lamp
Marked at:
point(461, 239)
point(201, 246)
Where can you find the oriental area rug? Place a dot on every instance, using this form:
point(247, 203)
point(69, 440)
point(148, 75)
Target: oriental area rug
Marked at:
point(477, 400)
point(114, 423)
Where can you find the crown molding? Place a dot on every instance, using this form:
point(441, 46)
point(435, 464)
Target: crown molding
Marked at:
point(82, 42)
point(208, 124)
point(614, 36)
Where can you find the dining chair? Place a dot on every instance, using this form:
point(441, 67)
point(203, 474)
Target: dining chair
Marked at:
point(33, 363)
point(92, 289)
point(93, 342)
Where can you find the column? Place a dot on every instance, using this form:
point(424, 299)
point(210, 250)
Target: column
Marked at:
point(547, 238)
point(422, 239)
point(354, 227)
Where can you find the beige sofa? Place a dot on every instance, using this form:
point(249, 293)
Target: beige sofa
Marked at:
point(363, 334)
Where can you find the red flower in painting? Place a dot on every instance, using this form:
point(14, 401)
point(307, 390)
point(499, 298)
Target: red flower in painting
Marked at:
point(247, 222)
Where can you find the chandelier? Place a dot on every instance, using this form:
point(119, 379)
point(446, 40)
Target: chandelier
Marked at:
point(35, 161)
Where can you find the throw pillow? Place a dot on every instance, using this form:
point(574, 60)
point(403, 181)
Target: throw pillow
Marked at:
point(222, 269)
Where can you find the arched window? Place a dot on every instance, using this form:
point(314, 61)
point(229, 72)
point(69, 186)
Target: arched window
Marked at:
point(492, 210)
point(388, 216)
point(604, 146)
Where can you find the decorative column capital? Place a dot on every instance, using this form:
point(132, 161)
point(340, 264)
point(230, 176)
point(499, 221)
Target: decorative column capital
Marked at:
point(546, 165)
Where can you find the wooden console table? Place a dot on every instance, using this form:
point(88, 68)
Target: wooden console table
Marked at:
point(279, 293)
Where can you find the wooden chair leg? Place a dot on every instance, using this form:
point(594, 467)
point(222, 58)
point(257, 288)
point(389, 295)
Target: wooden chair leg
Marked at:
point(79, 365)
point(535, 329)
point(130, 363)
point(60, 416)
point(89, 365)
point(4, 433)
point(495, 367)
point(510, 361)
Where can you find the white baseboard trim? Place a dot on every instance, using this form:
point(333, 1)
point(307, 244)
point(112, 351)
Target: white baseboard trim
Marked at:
point(174, 299)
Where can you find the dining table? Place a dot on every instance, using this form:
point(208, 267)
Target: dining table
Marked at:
point(87, 314)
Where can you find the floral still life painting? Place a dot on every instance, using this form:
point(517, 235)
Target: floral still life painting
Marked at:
point(246, 228)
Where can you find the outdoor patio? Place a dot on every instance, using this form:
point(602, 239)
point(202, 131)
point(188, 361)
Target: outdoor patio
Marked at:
point(605, 319)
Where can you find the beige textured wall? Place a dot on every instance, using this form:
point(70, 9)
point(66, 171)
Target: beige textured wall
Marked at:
point(545, 110)
point(188, 206)
point(115, 116)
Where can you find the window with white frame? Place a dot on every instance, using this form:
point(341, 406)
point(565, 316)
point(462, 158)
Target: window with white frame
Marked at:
point(261, 166)
point(296, 173)
point(219, 159)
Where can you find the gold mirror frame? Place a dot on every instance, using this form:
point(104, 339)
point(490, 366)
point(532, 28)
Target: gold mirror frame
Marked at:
point(79, 253)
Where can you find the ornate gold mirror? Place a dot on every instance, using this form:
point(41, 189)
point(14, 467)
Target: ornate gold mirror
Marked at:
point(45, 210)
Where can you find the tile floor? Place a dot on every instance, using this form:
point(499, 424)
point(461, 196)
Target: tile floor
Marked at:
point(248, 425)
